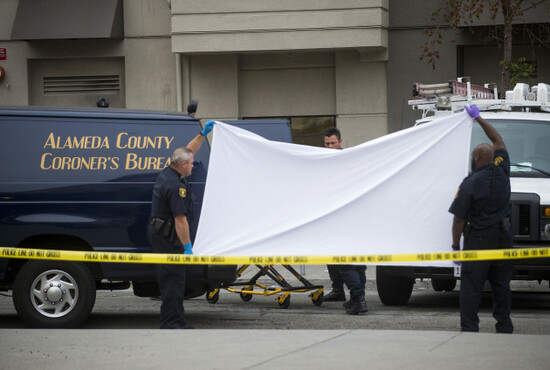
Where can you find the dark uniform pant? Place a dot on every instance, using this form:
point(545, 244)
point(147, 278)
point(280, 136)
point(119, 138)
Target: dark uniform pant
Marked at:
point(355, 278)
point(171, 282)
point(474, 275)
point(336, 277)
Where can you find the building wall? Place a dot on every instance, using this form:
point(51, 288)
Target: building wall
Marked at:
point(214, 83)
point(13, 88)
point(259, 58)
point(266, 25)
point(361, 103)
point(293, 84)
point(340, 84)
point(244, 58)
point(463, 54)
point(149, 78)
point(150, 63)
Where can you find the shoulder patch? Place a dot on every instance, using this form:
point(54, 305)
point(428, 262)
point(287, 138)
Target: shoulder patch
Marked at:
point(457, 191)
point(498, 160)
point(183, 192)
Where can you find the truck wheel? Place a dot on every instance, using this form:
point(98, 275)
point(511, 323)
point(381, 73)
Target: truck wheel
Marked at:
point(393, 290)
point(440, 285)
point(54, 294)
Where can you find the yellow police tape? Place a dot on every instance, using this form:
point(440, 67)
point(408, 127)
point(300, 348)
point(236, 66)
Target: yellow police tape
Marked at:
point(157, 258)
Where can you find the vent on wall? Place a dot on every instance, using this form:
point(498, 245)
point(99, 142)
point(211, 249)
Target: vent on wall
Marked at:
point(81, 84)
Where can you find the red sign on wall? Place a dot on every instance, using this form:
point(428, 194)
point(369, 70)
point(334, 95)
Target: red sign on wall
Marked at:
point(2, 53)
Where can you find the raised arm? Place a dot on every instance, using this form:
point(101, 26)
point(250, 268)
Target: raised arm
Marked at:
point(197, 141)
point(490, 131)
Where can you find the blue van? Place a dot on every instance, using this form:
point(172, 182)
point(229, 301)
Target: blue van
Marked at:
point(82, 179)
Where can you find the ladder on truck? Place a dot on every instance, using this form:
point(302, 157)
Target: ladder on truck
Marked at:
point(454, 95)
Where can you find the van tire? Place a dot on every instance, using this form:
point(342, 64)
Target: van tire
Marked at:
point(54, 294)
point(393, 289)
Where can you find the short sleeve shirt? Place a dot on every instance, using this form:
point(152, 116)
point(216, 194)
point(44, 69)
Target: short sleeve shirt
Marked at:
point(171, 196)
point(483, 197)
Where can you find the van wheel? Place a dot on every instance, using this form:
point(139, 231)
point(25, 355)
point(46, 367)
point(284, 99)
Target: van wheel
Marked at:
point(440, 285)
point(53, 294)
point(393, 289)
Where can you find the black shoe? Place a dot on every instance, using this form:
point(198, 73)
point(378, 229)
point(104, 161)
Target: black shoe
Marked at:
point(347, 304)
point(335, 296)
point(187, 327)
point(357, 305)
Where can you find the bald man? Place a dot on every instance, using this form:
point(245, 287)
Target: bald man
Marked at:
point(481, 210)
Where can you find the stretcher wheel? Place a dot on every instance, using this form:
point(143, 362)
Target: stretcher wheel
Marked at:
point(212, 296)
point(246, 296)
point(319, 300)
point(285, 303)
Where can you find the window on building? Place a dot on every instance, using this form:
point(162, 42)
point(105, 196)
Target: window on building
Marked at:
point(307, 130)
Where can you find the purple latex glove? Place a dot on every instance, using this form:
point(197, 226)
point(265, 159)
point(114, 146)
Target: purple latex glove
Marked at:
point(456, 249)
point(472, 110)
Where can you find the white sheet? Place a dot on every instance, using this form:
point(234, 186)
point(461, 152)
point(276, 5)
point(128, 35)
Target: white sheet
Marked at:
point(388, 195)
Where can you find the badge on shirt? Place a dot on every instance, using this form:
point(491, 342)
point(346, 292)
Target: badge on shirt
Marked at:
point(183, 192)
point(457, 191)
point(498, 160)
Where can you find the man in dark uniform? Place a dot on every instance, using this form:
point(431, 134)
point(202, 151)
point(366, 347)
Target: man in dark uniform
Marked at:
point(168, 230)
point(353, 276)
point(333, 139)
point(482, 201)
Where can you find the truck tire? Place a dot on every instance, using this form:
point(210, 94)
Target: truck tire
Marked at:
point(54, 294)
point(440, 285)
point(393, 289)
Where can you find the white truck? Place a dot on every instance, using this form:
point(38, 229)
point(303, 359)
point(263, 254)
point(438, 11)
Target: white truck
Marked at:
point(523, 120)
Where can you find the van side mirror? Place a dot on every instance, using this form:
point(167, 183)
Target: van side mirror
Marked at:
point(192, 107)
point(102, 103)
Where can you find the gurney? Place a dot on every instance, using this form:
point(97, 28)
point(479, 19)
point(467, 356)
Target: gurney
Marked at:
point(283, 288)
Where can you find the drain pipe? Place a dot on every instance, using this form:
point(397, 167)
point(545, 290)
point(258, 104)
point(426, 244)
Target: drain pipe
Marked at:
point(179, 85)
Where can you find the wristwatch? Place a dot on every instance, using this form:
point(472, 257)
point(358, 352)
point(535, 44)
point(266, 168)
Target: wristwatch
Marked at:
point(455, 248)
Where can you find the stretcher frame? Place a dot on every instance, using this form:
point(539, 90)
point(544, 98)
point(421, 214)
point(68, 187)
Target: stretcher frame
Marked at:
point(284, 288)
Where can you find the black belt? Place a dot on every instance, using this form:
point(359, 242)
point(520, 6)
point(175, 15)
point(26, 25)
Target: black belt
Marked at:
point(504, 225)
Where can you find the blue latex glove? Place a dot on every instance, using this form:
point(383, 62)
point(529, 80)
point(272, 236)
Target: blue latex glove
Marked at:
point(472, 110)
point(188, 248)
point(208, 127)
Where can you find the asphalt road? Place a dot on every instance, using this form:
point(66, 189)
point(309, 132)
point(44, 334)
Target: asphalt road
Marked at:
point(427, 310)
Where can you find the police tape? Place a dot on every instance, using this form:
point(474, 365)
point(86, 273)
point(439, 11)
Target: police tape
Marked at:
point(158, 258)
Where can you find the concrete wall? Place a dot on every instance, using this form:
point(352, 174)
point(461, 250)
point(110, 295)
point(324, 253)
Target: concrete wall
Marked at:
point(338, 84)
point(291, 84)
point(150, 66)
point(310, 58)
point(404, 67)
point(266, 25)
point(214, 82)
point(360, 98)
point(150, 63)
point(13, 88)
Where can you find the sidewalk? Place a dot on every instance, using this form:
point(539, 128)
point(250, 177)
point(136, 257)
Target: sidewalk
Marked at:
point(269, 349)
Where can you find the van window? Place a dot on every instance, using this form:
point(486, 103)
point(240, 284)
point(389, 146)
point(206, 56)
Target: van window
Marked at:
point(528, 143)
